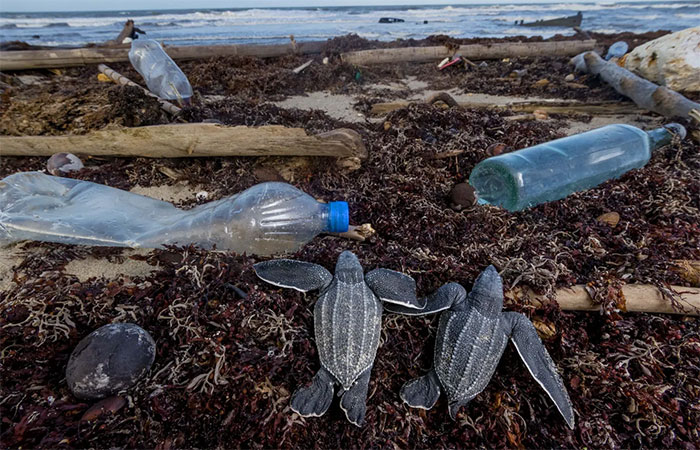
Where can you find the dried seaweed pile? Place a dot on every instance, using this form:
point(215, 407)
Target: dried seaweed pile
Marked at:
point(226, 365)
point(73, 101)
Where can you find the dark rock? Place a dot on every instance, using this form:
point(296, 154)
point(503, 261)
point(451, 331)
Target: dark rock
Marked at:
point(109, 359)
point(462, 196)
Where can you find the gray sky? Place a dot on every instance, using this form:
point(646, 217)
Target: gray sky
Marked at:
point(91, 5)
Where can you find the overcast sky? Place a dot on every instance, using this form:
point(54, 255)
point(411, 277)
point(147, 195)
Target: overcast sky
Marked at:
point(128, 5)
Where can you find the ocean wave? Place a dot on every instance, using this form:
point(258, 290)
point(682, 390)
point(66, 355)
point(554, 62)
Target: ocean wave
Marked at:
point(687, 16)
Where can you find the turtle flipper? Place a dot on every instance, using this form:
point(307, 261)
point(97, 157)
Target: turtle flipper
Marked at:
point(422, 392)
point(314, 400)
point(538, 361)
point(354, 400)
point(447, 296)
point(394, 287)
point(454, 407)
point(288, 273)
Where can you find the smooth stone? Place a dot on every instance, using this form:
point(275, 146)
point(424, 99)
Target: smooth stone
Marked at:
point(110, 359)
point(62, 163)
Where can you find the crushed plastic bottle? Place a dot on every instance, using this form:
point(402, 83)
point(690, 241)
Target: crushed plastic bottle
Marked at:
point(556, 169)
point(163, 77)
point(617, 50)
point(266, 219)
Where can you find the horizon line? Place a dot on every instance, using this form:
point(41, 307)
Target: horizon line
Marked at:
point(478, 3)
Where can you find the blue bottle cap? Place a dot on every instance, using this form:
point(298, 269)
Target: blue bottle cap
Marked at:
point(338, 217)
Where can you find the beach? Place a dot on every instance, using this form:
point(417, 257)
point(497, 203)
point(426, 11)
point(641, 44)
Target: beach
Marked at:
point(226, 365)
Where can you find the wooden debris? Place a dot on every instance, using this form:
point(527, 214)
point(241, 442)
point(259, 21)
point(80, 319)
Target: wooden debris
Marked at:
point(42, 59)
point(191, 140)
point(471, 51)
point(128, 31)
point(357, 233)
point(688, 270)
point(303, 66)
point(644, 93)
point(598, 108)
point(638, 298)
point(443, 97)
point(121, 79)
point(448, 154)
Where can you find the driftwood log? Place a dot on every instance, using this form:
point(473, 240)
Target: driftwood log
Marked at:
point(644, 93)
point(471, 51)
point(124, 81)
point(129, 30)
point(600, 108)
point(191, 140)
point(45, 59)
point(638, 298)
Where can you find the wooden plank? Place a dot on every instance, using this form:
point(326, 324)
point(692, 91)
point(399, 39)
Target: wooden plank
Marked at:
point(638, 298)
point(124, 81)
point(43, 59)
point(471, 51)
point(600, 108)
point(191, 140)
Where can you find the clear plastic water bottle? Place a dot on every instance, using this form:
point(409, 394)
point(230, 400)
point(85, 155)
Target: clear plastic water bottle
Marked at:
point(555, 169)
point(163, 77)
point(617, 50)
point(266, 219)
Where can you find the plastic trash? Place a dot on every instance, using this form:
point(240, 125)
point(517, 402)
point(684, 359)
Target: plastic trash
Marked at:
point(266, 219)
point(555, 169)
point(163, 77)
point(617, 50)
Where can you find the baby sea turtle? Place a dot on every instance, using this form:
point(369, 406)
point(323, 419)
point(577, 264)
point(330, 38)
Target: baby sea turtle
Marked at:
point(472, 335)
point(347, 325)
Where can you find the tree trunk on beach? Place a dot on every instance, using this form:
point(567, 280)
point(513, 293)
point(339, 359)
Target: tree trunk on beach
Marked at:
point(191, 140)
point(471, 51)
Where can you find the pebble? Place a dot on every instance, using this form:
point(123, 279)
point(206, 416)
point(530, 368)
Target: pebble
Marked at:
point(542, 83)
point(108, 405)
point(496, 149)
point(610, 218)
point(109, 359)
point(462, 196)
point(570, 77)
point(62, 163)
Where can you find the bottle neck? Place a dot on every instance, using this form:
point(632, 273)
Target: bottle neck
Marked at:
point(664, 135)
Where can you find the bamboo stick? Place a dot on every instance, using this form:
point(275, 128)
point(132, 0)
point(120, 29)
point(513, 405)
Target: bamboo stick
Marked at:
point(644, 93)
point(601, 108)
point(638, 298)
point(124, 81)
point(191, 140)
point(43, 59)
point(471, 51)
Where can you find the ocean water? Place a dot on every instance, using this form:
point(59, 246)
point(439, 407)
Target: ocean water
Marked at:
point(274, 25)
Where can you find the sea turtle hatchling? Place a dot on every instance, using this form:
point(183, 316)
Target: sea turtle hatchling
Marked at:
point(472, 335)
point(347, 325)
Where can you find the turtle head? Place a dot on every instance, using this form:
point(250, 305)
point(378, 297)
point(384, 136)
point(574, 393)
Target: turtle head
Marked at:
point(348, 268)
point(487, 293)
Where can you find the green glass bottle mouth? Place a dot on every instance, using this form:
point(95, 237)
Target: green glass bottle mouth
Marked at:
point(495, 184)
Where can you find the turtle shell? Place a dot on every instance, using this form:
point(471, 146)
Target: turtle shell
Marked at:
point(467, 350)
point(347, 322)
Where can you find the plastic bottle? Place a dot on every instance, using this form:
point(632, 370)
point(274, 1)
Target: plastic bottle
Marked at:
point(617, 50)
point(163, 77)
point(266, 219)
point(555, 169)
